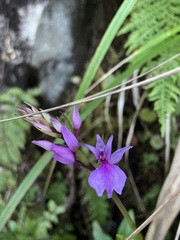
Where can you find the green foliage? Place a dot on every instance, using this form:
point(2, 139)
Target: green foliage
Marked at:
point(147, 115)
point(97, 207)
point(150, 19)
point(164, 93)
point(150, 158)
point(23, 188)
point(98, 233)
point(151, 195)
point(7, 180)
point(34, 226)
point(59, 183)
point(124, 229)
point(156, 142)
point(26, 227)
point(13, 133)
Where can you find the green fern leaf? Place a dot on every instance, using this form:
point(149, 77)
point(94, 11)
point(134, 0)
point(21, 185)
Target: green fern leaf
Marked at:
point(149, 20)
point(13, 133)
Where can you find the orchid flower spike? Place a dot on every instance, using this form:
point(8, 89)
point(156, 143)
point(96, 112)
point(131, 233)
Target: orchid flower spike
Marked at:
point(107, 176)
point(64, 154)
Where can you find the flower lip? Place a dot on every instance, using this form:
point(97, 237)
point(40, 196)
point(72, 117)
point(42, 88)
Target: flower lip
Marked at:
point(107, 177)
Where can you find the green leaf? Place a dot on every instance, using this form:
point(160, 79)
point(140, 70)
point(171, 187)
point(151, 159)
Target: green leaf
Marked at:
point(124, 229)
point(98, 233)
point(147, 115)
point(155, 26)
point(156, 142)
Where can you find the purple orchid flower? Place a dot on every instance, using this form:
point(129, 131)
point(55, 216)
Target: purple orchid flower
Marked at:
point(61, 153)
point(107, 176)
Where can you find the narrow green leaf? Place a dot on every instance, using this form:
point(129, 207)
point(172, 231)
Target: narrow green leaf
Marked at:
point(23, 188)
point(104, 45)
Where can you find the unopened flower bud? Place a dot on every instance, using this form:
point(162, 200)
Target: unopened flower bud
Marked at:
point(44, 122)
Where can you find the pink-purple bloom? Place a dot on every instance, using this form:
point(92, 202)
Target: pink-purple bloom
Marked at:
point(64, 154)
point(61, 153)
point(107, 176)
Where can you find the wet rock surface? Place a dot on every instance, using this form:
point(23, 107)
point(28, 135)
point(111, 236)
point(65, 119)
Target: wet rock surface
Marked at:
point(46, 43)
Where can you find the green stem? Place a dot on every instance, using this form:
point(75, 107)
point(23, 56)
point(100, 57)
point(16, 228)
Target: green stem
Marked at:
point(123, 211)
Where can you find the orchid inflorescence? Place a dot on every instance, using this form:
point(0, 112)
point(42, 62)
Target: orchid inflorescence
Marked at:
point(107, 176)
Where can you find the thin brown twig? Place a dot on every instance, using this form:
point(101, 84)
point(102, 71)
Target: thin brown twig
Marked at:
point(128, 142)
point(158, 210)
point(92, 97)
point(111, 71)
point(137, 77)
point(51, 171)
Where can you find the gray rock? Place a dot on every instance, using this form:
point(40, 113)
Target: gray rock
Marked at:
point(41, 40)
point(53, 51)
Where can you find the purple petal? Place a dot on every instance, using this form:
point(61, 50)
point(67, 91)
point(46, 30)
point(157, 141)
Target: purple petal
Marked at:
point(62, 160)
point(69, 138)
point(108, 147)
point(63, 153)
point(56, 124)
point(44, 144)
point(99, 143)
point(118, 154)
point(76, 120)
point(107, 177)
point(94, 150)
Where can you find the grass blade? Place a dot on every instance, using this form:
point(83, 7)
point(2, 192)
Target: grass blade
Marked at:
point(23, 188)
point(104, 45)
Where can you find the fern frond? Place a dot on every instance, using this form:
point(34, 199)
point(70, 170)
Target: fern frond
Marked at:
point(13, 133)
point(164, 95)
point(149, 20)
point(152, 194)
